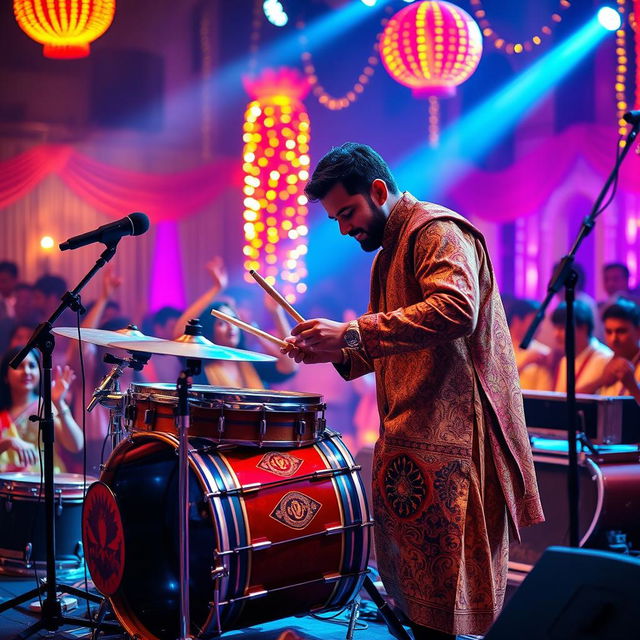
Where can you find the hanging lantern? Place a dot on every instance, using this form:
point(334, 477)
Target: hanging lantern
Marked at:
point(276, 168)
point(64, 27)
point(431, 47)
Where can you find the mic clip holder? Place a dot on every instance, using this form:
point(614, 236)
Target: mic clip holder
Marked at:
point(73, 302)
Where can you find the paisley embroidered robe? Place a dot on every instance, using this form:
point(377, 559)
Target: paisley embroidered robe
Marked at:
point(453, 464)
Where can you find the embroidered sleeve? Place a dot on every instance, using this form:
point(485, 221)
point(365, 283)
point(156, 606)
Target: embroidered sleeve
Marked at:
point(445, 264)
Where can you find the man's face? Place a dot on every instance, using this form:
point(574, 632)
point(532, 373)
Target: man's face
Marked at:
point(358, 216)
point(622, 337)
point(614, 280)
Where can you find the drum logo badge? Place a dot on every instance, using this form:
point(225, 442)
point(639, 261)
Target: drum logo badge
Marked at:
point(295, 510)
point(103, 538)
point(280, 464)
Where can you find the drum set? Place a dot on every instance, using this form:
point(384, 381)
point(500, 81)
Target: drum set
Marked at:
point(243, 508)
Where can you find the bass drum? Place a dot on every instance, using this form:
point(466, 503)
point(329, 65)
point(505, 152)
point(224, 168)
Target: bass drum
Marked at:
point(273, 533)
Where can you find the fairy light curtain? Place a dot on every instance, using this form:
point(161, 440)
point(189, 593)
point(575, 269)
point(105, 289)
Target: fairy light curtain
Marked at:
point(276, 168)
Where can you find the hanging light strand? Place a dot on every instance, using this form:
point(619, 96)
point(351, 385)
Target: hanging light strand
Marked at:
point(327, 100)
point(620, 85)
point(525, 45)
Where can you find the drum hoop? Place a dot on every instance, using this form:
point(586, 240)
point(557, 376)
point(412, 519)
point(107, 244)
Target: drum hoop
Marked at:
point(201, 402)
point(228, 395)
point(23, 489)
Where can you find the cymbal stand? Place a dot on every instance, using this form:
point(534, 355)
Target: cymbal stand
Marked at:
point(193, 368)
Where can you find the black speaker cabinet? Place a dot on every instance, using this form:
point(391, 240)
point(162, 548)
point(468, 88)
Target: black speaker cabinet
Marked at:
point(574, 594)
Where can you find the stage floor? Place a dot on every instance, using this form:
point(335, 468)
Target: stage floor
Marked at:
point(16, 620)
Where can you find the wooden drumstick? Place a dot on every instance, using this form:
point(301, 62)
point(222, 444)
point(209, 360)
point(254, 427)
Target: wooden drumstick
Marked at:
point(276, 296)
point(248, 328)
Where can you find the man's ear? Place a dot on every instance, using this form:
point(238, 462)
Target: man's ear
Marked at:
point(379, 192)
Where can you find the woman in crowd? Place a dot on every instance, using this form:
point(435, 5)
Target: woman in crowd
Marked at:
point(19, 399)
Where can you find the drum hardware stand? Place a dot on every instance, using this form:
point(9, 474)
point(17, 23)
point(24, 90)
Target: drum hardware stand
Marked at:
point(391, 619)
point(42, 339)
point(565, 275)
point(193, 368)
point(354, 613)
point(108, 393)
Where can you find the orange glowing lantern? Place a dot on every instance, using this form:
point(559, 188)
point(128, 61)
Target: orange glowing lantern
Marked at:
point(431, 47)
point(276, 168)
point(64, 27)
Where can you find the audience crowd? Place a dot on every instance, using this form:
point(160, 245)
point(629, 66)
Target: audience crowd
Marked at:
point(607, 361)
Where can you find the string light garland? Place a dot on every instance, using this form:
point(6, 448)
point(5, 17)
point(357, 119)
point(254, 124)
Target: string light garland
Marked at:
point(336, 103)
point(523, 46)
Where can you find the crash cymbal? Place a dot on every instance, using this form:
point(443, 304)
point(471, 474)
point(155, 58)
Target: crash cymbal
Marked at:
point(199, 349)
point(101, 337)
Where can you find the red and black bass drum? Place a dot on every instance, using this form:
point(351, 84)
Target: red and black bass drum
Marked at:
point(272, 533)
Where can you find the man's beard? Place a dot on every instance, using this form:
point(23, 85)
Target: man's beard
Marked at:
point(375, 230)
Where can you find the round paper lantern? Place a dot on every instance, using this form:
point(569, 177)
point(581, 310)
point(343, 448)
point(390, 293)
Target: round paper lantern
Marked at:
point(64, 27)
point(431, 47)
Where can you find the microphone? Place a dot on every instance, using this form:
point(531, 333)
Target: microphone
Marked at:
point(135, 224)
point(632, 117)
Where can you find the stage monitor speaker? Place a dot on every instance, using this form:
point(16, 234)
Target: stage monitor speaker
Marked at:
point(574, 594)
point(127, 89)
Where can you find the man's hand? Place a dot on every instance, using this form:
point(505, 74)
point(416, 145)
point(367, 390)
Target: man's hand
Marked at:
point(319, 334)
point(311, 356)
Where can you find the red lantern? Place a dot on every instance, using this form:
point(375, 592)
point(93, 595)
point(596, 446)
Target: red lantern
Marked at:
point(431, 47)
point(64, 27)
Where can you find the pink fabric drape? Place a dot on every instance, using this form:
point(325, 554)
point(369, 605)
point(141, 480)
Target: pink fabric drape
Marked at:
point(523, 188)
point(498, 196)
point(162, 196)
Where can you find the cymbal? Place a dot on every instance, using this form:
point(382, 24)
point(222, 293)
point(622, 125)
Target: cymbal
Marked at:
point(198, 349)
point(101, 337)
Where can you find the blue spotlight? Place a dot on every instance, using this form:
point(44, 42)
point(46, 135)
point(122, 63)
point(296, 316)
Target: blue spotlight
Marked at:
point(429, 172)
point(609, 19)
point(275, 13)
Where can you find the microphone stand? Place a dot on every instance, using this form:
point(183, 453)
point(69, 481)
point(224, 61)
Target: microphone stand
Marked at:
point(566, 276)
point(42, 339)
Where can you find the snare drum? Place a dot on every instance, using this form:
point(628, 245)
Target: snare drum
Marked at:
point(249, 417)
point(23, 529)
point(272, 533)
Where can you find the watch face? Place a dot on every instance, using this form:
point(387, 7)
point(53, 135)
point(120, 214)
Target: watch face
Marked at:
point(352, 338)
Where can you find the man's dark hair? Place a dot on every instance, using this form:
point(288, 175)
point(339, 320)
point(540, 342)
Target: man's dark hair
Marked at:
point(165, 313)
point(520, 308)
point(353, 165)
point(581, 311)
point(9, 267)
point(51, 285)
point(623, 309)
point(617, 265)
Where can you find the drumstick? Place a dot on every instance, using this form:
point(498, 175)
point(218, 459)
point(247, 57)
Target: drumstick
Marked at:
point(276, 296)
point(248, 328)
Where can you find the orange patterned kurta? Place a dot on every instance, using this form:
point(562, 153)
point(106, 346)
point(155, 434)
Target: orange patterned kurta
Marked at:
point(453, 463)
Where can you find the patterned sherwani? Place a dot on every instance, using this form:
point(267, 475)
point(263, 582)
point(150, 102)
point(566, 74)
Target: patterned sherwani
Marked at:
point(453, 465)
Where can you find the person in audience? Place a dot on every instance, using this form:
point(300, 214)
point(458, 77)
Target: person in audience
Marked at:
point(20, 334)
point(8, 281)
point(228, 373)
point(162, 324)
point(621, 375)
point(19, 399)
point(534, 363)
point(47, 292)
point(591, 354)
